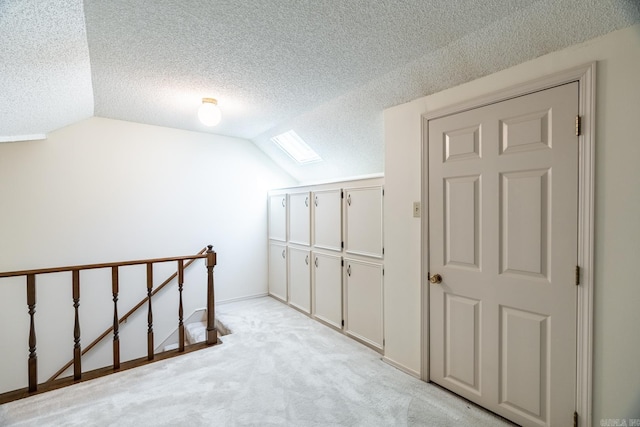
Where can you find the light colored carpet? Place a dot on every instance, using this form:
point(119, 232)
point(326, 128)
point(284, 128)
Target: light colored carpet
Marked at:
point(278, 367)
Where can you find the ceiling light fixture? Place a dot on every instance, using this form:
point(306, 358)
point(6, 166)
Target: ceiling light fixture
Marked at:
point(209, 112)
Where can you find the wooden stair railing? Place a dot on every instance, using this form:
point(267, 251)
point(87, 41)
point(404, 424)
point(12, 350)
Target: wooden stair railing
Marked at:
point(116, 322)
point(32, 362)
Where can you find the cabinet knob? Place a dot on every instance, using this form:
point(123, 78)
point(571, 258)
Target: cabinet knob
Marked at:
point(283, 253)
point(316, 202)
point(349, 199)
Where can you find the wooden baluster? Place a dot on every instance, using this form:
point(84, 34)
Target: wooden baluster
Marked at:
point(180, 307)
point(116, 323)
point(150, 314)
point(77, 351)
point(212, 334)
point(33, 358)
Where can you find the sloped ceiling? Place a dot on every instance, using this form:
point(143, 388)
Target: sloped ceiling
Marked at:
point(326, 69)
point(45, 74)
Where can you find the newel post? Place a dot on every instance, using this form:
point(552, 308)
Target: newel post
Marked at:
point(212, 334)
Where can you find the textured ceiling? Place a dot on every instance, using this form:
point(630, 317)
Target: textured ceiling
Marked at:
point(265, 61)
point(45, 76)
point(324, 68)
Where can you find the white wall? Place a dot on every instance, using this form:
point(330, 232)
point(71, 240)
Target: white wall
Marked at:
point(105, 190)
point(616, 386)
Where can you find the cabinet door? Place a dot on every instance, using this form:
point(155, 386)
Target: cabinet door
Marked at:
point(364, 221)
point(327, 222)
point(363, 314)
point(278, 217)
point(300, 218)
point(300, 279)
point(278, 271)
point(327, 300)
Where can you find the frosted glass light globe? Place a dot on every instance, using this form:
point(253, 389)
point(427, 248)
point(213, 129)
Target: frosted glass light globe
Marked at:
point(209, 112)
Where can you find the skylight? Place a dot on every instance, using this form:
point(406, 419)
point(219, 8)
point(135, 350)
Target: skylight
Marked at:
point(296, 148)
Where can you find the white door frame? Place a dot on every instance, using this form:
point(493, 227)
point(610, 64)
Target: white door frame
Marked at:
point(585, 75)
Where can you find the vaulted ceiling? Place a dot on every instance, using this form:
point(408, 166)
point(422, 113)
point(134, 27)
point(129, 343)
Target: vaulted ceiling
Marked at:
point(325, 68)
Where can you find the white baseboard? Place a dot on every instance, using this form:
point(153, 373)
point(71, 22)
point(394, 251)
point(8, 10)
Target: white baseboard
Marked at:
point(401, 367)
point(226, 301)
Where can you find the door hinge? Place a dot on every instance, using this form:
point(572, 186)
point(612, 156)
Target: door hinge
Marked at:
point(383, 192)
point(383, 271)
point(343, 322)
point(342, 262)
point(575, 419)
point(342, 244)
point(383, 251)
point(577, 275)
point(578, 125)
point(342, 194)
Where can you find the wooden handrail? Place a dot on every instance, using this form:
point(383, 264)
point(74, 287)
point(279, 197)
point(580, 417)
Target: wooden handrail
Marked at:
point(30, 275)
point(128, 314)
point(95, 266)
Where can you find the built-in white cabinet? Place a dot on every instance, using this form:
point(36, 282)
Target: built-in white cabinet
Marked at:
point(326, 254)
point(364, 289)
point(300, 218)
point(327, 294)
point(300, 279)
point(278, 270)
point(363, 221)
point(327, 219)
point(278, 217)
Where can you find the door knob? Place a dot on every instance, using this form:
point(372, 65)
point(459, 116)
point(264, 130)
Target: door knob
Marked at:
point(435, 279)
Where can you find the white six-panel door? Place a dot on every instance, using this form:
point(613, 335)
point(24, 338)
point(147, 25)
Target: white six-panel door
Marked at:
point(503, 236)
